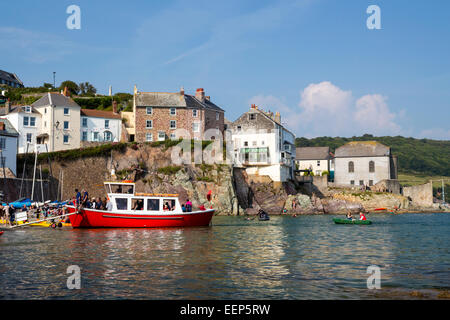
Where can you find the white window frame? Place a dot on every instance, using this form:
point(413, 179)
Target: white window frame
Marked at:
point(68, 125)
point(68, 138)
point(173, 136)
point(195, 113)
point(107, 124)
point(146, 124)
point(93, 136)
point(27, 124)
point(147, 109)
point(68, 111)
point(104, 135)
point(83, 124)
point(28, 109)
point(84, 136)
point(149, 137)
point(217, 116)
point(34, 120)
point(175, 111)
point(198, 126)
point(31, 137)
point(159, 136)
point(170, 124)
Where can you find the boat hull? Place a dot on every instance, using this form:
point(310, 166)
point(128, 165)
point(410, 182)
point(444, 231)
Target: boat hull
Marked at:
point(346, 221)
point(90, 218)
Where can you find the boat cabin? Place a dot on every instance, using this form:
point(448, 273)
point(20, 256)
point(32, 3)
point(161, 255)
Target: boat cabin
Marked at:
point(124, 198)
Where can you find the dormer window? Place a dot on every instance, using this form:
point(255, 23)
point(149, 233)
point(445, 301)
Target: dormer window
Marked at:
point(28, 109)
point(252, 116)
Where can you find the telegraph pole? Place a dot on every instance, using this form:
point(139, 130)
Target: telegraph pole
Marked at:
point(54, 82)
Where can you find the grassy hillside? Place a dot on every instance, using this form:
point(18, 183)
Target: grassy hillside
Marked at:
point(416, 156)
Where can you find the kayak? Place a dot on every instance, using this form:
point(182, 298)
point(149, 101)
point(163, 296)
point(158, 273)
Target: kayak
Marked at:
point(380, 209)
point(346, 221)
point(49, 224)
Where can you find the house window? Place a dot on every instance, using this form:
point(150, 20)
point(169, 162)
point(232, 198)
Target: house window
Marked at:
point(351, 167)
point(66, 111)
point(254, 143)
point(45, 124)
point(66, 125)
point(3, 143)
point(262, 143)
point(318, 163)
point(32, 121)
point(371, 166)
point(107, 136)
point(66, 138)
point(106, 124)
point(239, 128)
point(217, 116)
point(352, 182)
point(149, 124)
point(370, 182)
point(252, 116)
point(84, 136)
point(196, 127)
point(149, 110)
point(245, 143)
point(94, 136)
point(194, 113)
point(84, 122)
point(29, 137)
point(28, 109)
point(26, 121)
point(149, 137)
point(173, 124)
point(173, 111)
point(361, 182)
point(45, 110)
point(173, 136)
point(161, 136)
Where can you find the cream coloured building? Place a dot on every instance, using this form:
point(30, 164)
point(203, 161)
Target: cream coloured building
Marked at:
point(60, 122)
point(316, 159)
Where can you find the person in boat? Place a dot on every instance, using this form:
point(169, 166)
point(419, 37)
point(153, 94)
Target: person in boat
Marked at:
point(85, 199)
point(349, 216)
point(183, 208)
point(166, 207)
point(362, 216)
point(104, 202)
point(77, 197)
point(108, 205)
point(188, 205)
point(12, 215)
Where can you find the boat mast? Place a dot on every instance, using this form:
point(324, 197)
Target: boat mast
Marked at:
point(23, 171)
point(34, 174)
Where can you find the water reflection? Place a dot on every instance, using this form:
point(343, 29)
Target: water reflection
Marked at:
point(285, 258)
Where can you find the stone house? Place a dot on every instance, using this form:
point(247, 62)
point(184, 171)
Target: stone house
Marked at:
point(364, 163)
point(10, 79)
point(262, 145)
point(158, 115)
point(316, 159)
point(8, 147)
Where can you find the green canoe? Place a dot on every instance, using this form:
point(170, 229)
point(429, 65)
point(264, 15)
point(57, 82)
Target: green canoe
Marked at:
point(346, 221)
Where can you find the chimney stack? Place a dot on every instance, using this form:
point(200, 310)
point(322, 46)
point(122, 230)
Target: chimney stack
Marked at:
point(110, 91)
point(66, 92)
point(2, 126)
point(200, 94)
point(8, 106)
point(277, 117)
point(114, 105)
point(208, 98)
point(182, 91)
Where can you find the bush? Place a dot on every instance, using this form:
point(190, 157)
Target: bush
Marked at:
point(169, 170)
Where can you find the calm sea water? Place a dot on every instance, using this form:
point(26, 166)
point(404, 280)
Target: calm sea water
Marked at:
point(308, 257)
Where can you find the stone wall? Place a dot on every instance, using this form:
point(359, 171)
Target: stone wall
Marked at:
point(421, 195)
point(392, 186)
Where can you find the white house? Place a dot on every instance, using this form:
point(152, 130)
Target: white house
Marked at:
point(263, 145)
point(364, 163)
point(26, 120)
point(316, 159)
point(8, 146)
point(100, 126)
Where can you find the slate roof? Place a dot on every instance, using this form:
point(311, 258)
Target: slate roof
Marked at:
point(362, 149)
point(9, 129)
point(168, 99)
point(55, 99)
point(312, 153)
point(99, 114)
point(11, 77)
point(21, 108)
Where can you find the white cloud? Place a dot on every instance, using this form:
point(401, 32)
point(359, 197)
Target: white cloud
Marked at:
point(327, 110)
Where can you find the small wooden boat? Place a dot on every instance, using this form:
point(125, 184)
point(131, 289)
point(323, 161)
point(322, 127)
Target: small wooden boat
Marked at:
point(263, 216)
point(347, 221)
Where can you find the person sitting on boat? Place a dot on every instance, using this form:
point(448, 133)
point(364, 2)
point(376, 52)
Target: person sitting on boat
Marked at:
point(188, 205)
point(183, 208)
point(349, 216)
point(166, 207)
point(362, 216)
point(108, 205)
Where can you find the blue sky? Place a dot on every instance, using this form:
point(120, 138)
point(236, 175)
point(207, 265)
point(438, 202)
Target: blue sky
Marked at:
point(315, 61)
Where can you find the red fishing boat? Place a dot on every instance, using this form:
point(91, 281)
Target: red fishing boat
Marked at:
point(138, 210)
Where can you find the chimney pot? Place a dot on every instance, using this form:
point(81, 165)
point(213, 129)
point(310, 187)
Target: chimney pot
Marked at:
point(2, 126)
point(66, 92)
point(200, 94)
point(182, 91)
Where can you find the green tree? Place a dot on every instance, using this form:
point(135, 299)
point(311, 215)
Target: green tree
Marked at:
point(71, 86)
point(87, 89)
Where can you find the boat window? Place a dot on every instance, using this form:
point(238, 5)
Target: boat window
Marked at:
point(137, 204)
point(169, 205)
point(153, 204)
point(122, 203)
